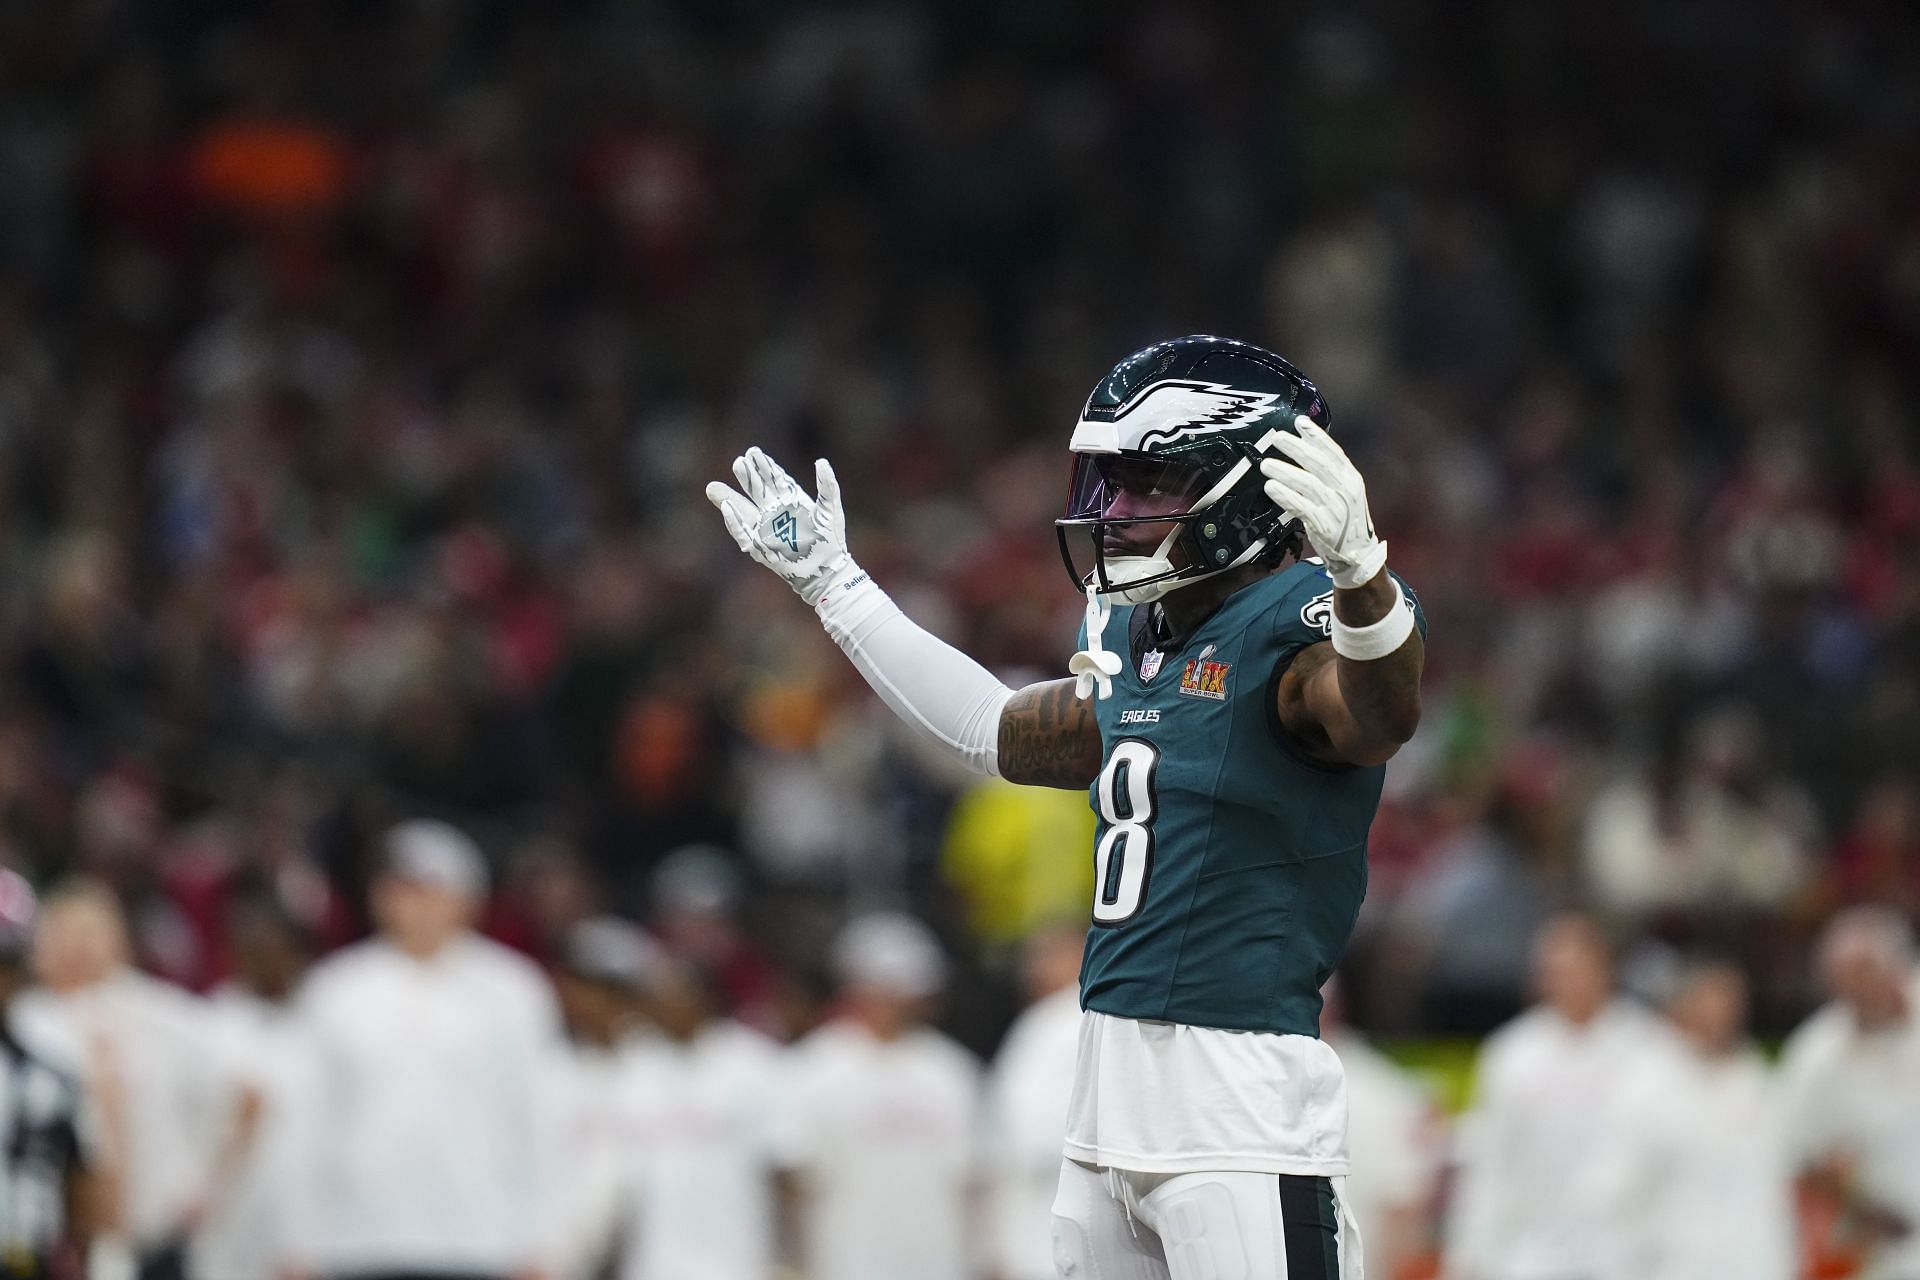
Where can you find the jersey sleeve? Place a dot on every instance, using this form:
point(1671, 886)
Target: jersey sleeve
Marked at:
point(1413, 603)
point(1304, 614)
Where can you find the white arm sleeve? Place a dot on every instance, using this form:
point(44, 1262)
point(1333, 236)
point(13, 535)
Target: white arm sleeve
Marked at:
point(951, 699)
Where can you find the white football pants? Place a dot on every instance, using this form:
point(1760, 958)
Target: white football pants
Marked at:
point(1109, 1224)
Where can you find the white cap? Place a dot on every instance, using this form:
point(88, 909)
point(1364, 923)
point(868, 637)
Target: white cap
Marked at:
point(439, 854)
point(611, 950)
point(892, 951)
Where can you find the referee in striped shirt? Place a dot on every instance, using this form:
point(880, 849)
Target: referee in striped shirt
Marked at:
point(51, 1192)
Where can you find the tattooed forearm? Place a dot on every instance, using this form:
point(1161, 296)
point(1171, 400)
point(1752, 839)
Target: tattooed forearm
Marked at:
point(1302, 700)
point(1049, 738)
point(1383, 696)
point(1351, 712)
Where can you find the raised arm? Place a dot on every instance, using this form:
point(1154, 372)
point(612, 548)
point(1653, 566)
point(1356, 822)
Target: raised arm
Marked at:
point(1350, 711)
point(1041, 735)
point(1354, 699)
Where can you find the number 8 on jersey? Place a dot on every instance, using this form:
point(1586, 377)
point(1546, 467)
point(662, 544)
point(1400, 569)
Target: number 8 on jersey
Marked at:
point(1123, 859)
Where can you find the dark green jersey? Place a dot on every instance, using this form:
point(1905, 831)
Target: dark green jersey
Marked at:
point(1228, 867)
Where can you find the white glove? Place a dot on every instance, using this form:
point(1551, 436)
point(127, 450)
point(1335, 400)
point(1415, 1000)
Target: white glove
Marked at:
point(774, 521)
point(1326, 492)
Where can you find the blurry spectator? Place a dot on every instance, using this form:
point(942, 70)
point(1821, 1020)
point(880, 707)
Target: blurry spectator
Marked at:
point(1705, 1169)
point(431, 1156)
point(259, 854)
point(1013, 852)
point(86, 666)
point(253, 1033)
point(700, 1097)
point(269, 168)
point(1458, 307)
point(880, 1123)
point(56, 1188)
point(1460, 941)
point(166, 1107)
point(697, 893)
point(1026, 1106)
point(1878, 859)
point(805, 813)
point(604, 963)
point(1713, 831)
point(547, 893)
point(1547, 1115)
point(1393, 1144)
point(1329, 294)
point(1853, 1077)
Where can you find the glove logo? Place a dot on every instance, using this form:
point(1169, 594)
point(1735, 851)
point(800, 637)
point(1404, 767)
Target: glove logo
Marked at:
point(787, 529)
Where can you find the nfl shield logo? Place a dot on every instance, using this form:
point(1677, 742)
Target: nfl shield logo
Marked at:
point(1149, 665)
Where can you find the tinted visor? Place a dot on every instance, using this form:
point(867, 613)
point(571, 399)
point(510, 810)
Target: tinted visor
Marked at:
point(1119, 505)
point(1109, 486)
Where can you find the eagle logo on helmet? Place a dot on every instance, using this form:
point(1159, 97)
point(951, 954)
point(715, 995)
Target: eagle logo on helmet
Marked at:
point(1163, 412)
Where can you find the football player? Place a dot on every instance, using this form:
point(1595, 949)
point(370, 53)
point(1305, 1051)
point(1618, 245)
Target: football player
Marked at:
point(1230, 710)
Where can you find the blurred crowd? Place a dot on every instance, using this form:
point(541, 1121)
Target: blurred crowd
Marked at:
point(429, 1102)
point(361, 365)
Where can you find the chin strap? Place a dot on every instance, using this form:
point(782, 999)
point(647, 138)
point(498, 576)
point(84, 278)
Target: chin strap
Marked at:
point(1095, 665)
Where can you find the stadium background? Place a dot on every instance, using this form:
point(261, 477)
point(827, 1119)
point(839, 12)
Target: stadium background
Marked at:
point(361, 365)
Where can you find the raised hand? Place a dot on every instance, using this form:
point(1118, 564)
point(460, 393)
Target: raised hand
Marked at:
point(1324, 489)
point(801, 538)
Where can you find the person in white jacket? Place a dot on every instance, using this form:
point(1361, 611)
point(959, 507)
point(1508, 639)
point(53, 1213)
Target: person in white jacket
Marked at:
point(881, 1123)
point(700, 1096)
point(603, 967)
point(256, 1033)
point(1852, 1073)
point(1027, 1095)
point(1705, 1173)
point(167, 1104)
point(431, 1044)
point(1394, 1139)
point(1538, 1195)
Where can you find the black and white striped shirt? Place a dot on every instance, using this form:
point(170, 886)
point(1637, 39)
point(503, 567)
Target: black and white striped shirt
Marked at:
point(43, 1140)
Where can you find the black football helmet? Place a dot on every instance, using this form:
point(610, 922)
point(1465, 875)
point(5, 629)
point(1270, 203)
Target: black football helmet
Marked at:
point(1174, 435)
